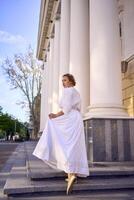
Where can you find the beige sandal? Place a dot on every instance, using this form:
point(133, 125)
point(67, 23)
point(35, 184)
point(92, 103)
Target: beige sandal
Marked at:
point(71, 181)
point(66, 179)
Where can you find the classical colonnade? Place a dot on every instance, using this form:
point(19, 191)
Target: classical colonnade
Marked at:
point(85, 42)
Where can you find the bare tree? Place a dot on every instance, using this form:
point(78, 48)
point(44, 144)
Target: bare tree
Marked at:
point(24, 73)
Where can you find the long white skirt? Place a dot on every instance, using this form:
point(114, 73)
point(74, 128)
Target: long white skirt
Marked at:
point(62, 144)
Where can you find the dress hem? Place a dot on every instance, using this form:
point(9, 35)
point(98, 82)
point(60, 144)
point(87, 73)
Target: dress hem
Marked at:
point(62, 167)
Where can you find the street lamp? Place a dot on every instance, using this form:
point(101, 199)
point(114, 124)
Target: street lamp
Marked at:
point(15, 126)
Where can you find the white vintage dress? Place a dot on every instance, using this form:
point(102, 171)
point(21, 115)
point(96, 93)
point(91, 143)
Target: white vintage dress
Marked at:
point(62, 143)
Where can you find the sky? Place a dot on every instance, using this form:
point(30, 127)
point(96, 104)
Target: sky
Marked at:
point(19, 20)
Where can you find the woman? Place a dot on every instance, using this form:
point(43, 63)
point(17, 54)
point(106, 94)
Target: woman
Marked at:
point(62, 144)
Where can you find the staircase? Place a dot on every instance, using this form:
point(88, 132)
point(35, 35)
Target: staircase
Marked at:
point(30, 176)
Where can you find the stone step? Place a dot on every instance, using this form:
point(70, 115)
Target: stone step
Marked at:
point(30, 175)
point(19, 184)
point(37, 169)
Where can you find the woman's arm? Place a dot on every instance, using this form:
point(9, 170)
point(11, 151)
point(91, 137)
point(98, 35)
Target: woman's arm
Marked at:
point(60, 113)
point(52, 115)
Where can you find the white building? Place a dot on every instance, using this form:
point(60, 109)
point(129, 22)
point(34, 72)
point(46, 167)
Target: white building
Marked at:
point(93, 40)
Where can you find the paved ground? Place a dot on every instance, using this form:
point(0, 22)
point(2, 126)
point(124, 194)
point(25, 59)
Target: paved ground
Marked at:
point(7, 157)
point(6, 149)
point(103, 195)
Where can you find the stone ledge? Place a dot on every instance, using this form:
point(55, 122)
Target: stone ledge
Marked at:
point(20, 184)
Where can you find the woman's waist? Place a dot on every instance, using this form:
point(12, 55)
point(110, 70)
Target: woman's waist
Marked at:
point(77, 109)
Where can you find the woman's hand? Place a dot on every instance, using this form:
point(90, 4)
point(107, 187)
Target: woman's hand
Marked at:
point(52, 115)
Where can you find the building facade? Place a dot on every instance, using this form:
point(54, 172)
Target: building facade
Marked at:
point(93, 40)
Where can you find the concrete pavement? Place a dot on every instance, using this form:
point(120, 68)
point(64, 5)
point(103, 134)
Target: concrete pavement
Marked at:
point(122, 194)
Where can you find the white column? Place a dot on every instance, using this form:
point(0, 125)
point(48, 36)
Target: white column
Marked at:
point(105, 60)
point(128, 28)
point(79, 48)
point(44, 97)
point(64, 39)
point(50, 75)
point(56, 67)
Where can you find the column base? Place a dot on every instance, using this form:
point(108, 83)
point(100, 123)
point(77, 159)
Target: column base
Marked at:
point(109, 140)
point(106, 111)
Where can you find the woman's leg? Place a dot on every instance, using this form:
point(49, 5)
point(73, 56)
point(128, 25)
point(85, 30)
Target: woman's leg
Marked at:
point(68, 176)
point(72, 177)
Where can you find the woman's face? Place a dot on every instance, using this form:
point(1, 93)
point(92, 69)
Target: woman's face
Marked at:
point(66, 82)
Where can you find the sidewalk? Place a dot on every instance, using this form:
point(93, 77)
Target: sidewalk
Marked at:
point(7, 157)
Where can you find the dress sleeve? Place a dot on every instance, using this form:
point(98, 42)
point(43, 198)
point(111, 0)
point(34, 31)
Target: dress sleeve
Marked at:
point(67, 100)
